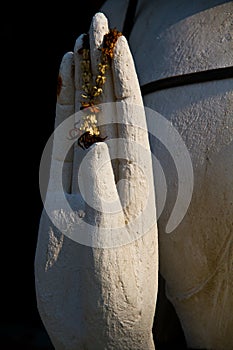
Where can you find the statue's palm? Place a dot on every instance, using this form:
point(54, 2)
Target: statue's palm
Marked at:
point(96, 269)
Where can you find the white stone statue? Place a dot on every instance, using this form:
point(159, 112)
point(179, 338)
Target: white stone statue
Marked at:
point(100, 291)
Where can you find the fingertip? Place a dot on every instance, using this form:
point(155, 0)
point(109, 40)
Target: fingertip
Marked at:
point(67, 56)
point(122, 41)
point(65, 81)
point(97, 152)
point(97, 156)
point(99, 21)
point(124, 72)
point(78, 43)
point(122, 53)
point(66, 65)
point(100, 149)
point(99, 27)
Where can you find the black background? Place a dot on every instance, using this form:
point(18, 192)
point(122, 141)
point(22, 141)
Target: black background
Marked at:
point(33, 40)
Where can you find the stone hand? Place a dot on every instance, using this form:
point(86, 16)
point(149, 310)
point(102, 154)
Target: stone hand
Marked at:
point(96, 260)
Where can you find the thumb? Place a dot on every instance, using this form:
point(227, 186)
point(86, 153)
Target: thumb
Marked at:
point(97, 186)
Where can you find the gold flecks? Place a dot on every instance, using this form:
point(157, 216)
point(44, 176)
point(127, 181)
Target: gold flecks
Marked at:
point(93, 90)
point(109, 42)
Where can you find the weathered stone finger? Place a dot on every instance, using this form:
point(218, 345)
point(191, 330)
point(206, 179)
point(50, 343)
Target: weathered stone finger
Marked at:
point(135, 166)
point(107, 118)
point(98, 188)
point(78, 152)
point(63, 121)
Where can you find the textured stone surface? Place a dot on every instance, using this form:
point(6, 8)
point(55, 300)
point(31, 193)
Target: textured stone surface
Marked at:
point(196, 260)
point(90, 297)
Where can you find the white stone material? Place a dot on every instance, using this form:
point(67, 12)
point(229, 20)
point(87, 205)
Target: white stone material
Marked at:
point(196, 260)
point(94, 299)
point(101, 298)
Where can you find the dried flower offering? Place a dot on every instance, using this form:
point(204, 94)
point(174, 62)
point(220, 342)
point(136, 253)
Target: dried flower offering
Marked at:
point(92, 88)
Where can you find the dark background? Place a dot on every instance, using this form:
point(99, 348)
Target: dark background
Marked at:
point(33, 40)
